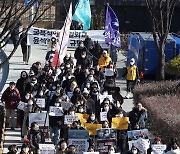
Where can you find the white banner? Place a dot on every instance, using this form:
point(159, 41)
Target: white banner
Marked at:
point(102, 97)
point(103, 116)
point(56, 111)
point(40, 36)
point(21, 105)
point(80, 144)
point(46, 148)
point(41, 102)
point(158, 148)
point(39, 118)
point(69, 119)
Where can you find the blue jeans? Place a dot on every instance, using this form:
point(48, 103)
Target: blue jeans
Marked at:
point(55, 135)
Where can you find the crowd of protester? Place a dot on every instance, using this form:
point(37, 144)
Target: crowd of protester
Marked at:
point(80, 82)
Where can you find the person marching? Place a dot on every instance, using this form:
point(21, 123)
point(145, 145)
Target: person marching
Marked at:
point(132, 76)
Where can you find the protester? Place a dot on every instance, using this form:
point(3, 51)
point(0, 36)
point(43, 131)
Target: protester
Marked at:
point(23, 38)
point(138, 117)
point(13, 149)
point(104, 60)
point(63, 147)
point(132, 77)
point(10, 98)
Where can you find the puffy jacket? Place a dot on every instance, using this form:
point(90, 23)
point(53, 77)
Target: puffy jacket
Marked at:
point(104, 61)
point(11, 98)
point(131, 73)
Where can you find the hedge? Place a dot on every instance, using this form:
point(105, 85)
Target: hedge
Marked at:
point(162, 101)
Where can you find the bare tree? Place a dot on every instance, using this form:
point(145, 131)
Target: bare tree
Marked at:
point(161, 12)
point(11, 14)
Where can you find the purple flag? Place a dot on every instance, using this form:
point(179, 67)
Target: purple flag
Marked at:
point(112, 35)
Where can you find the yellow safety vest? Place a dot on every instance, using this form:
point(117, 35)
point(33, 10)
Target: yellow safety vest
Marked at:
point(131, 73)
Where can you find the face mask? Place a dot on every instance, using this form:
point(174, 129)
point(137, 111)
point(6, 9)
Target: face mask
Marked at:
point(26, 150)
point(92, 118)
point(106, 108)
point(36, 127)
point(68, 66)
point(41, 93)
point(53, 49)
point(105, 93)
point(118, 105)
point(121, 115)
point(57, 104)
point(30, 103)
point(27, 97)
point(90, 78)
point(62, 68)
point(87, 85)
point(54, 87)
point(83, 56)
point(69, 77)
point(81, 110)
point(131, 63)
point(134, 151)
point(71, 113)
point(81, 45)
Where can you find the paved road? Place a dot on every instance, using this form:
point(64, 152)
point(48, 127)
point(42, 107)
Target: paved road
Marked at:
point(38, 54)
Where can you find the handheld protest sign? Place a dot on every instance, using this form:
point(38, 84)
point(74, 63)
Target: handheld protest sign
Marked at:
point(41, 102)
point(69, 119)
point(21, 105)
point(106, 133)
point(103, 116)
point(92, 128)
point(78, 134)
point(80, 144)
point(83, 118)
point(109, 72)
point(136, 134)
point(46, 148)
point(120, 123)
point(55, 111)
point(39, 118)
point(104, 145)
point(158, 148)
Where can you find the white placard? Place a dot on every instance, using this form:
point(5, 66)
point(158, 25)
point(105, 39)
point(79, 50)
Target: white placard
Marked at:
point(41, 102)
point(55, 111)
point(80, 144)
point(66, 105)
point(103, 116)
point(46, 148)
point(142, 144)
point(158, 148)
point(69, 119)
point(39, 118)
point(21, 105)
point(109, 72)
point(102, 97)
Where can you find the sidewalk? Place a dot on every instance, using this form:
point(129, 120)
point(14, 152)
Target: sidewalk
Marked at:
point(38, 54)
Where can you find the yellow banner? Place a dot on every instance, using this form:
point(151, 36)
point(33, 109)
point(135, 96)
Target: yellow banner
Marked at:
point(120, 123)
point(83, 118)
point(92, 128)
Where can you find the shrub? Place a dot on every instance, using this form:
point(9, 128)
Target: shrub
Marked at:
point(173, 66)
point(162, 101)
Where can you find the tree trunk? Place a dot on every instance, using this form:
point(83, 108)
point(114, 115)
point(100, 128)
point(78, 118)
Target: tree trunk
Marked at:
point(161, 62)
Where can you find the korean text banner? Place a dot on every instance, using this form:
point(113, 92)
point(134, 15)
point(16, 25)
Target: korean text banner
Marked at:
point(40, 36)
